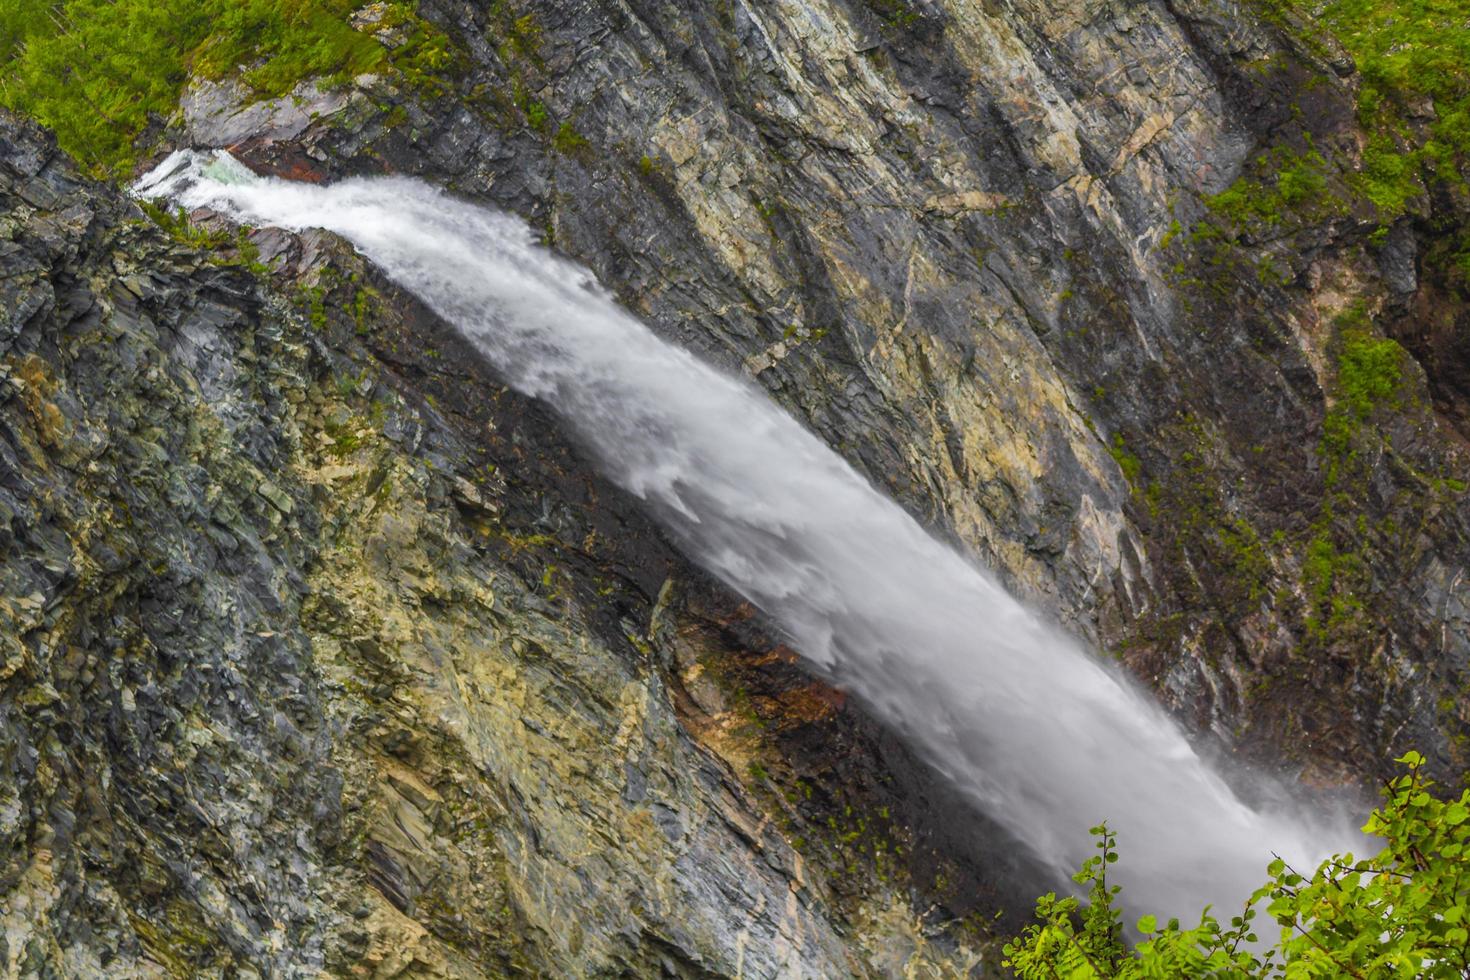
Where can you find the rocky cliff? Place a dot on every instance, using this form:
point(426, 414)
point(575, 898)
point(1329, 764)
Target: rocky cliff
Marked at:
point(985, 251)
point(326, 659)
point(325, 652)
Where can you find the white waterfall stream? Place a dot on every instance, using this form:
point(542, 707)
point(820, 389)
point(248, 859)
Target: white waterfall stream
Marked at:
point(1041, 735)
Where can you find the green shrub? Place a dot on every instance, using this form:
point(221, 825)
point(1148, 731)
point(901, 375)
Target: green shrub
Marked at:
point(178, 226)
point(1403, 912)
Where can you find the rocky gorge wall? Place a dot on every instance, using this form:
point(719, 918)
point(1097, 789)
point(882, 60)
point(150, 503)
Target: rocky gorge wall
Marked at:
point(983, 250)
point(326, 653)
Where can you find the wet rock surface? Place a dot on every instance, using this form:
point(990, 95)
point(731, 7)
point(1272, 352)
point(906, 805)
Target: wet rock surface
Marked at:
point(960, 241)
point(324, 657)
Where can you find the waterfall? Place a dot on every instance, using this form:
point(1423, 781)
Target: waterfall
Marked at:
point(1039, 734)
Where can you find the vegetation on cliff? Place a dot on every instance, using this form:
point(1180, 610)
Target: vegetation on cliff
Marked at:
point(1403, 912)
point(99, 72)
point(1357, 179)
point(1413, 57)
point(1413, 104)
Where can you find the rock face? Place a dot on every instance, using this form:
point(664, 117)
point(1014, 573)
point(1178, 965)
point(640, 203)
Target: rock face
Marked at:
point(322, 652)
point(972, 246)
point(303, 673)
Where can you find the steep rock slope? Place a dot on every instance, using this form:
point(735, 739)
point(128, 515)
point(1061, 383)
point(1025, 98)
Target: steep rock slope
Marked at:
point(324, 652)
point(983, 249)
point(303, 673)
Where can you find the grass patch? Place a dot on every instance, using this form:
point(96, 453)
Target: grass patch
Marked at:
point(98, 72)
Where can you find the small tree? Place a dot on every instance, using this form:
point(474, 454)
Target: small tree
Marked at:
point(1402, 913)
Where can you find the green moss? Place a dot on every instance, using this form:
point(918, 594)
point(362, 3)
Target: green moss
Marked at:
point(1271, 274)
point(296, 40)
point(181, 940)
point(536, 115)
point(23, 19)
point(1369, 378)
point(1411, 57)
point(521, 36)
point(1281, 187)
point(526, 542)
point(1203, 529)
point(1173, 232)
point(1329, 577)
point(1245, 556)
point(524, 35)
point(364, 298)
point(567, 139)
point(345, 441)
point(1388, 178)
point(315, 300)
point(1369, 371)
point(1409, 51)
point(423, 62)
point(349, 384)
point(1127, 462)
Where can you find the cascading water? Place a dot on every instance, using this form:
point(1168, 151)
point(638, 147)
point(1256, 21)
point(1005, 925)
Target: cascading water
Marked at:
point(1040, 735)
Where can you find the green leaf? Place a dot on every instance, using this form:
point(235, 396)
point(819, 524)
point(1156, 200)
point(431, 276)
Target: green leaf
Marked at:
point(1399, 913)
